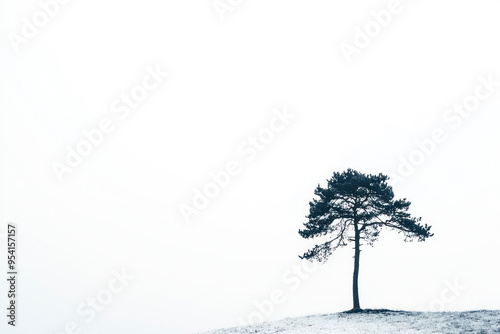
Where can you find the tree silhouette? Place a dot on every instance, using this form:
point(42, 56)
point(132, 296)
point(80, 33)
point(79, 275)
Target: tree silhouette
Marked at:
point(354, 207)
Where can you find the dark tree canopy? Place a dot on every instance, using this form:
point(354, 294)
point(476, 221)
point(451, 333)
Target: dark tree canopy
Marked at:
point(354, 207)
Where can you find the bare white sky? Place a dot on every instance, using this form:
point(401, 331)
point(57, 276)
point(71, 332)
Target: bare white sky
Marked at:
point(120, 207)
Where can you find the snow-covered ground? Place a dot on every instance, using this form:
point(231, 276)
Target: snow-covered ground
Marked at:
point(384, 322)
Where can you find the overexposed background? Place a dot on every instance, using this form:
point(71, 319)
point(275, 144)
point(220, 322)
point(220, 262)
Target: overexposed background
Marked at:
point(120, 207)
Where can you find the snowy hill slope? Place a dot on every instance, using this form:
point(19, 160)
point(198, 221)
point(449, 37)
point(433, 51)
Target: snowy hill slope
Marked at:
point(383, 322)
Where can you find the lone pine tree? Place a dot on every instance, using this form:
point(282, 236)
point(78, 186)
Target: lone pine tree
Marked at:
point(355, 207)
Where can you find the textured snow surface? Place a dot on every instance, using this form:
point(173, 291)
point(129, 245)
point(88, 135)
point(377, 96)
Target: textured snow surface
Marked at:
point(384, 322)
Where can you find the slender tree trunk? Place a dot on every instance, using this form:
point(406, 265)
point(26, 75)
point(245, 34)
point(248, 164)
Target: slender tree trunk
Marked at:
point(355, 294)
